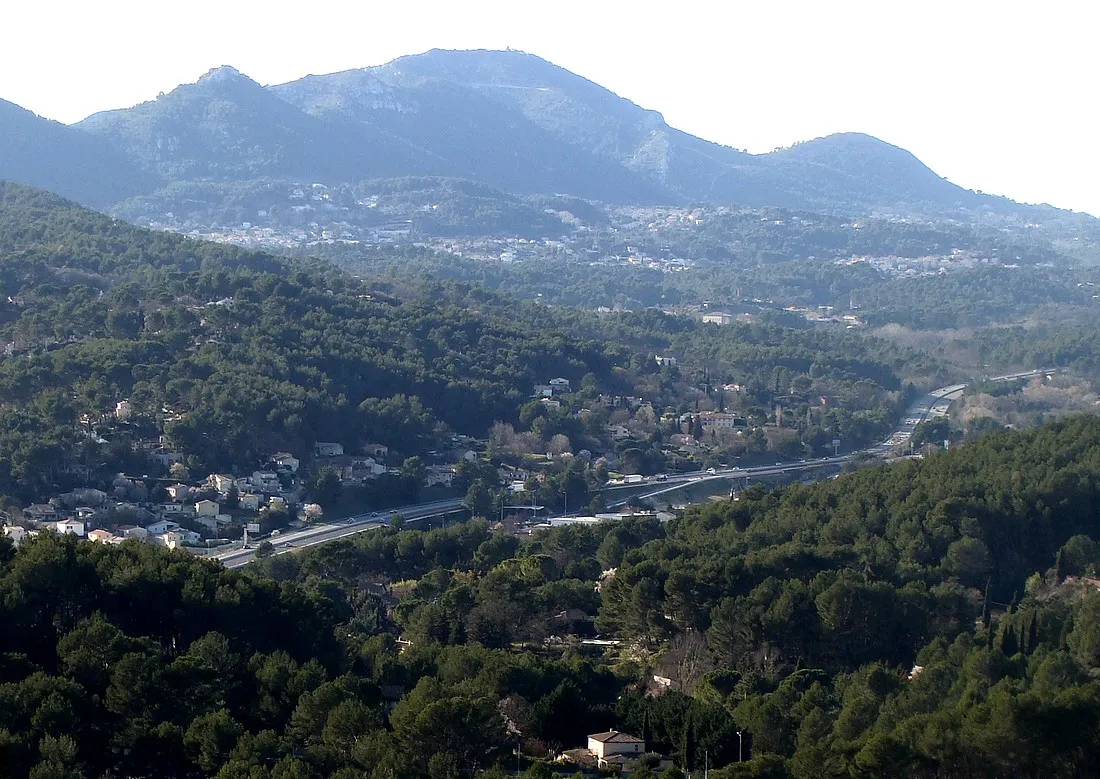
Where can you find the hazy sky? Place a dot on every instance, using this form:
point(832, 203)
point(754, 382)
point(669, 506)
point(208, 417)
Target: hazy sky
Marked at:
point(998, 96)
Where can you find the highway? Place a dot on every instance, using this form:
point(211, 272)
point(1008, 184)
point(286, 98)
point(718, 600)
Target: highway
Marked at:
point(933, 404)
point(323, 532)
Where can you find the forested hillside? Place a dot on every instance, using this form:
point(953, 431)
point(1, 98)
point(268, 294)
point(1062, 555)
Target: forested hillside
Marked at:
point(233, 355)
point(927, 620)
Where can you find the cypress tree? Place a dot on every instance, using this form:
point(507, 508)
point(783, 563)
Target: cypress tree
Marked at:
point(985, 607)
point(687, 743)
point(1009, 645)
point(1060, 567)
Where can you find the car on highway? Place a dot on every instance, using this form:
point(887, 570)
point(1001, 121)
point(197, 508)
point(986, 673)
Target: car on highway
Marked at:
point(348, 521)
point(711, 471)
point(374, 514)
point(393, 511)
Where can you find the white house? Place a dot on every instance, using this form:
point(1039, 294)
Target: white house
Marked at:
point(560, 384)
point(250, 502)
point(328, 449)
point(15, 533)
point(612, 744)
point(123, 409)
point(159, 527)
point(174, 539)
point(74, 526)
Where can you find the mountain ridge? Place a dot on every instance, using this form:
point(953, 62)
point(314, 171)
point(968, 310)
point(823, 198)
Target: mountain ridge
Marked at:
point(508, 119)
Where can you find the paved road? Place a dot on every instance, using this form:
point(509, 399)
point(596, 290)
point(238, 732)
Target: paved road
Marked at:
point(934, 404)
point(330, 531)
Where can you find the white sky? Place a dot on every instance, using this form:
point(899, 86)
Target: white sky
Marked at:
point(998, 96)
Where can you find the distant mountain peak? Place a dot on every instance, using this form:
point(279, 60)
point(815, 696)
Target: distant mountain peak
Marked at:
point(223, 75)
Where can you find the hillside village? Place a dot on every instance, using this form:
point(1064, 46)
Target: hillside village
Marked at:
point(608, 439)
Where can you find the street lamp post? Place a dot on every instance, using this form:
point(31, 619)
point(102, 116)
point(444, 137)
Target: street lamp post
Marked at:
point(739, 754)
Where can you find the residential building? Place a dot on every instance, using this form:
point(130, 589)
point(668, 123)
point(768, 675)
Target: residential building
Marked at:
point(560, 384)
point(718, 318)
point(165, 458)
point(543, 391)
point(180, 492)
point(159, 527)
point(250, 502)
point(439, 474)
point(614, 748)
point(222, 482)
point(133, 531)
point(716, 420)
point(41, 512)
point(16, 533)
point(671, 362)
point(328, 449)
point(286, 461)
point(376, 450)
point(617, 432)
point(207, 508)
point(103, 537)
point(175, 539)
point(123, 410)
point(74, 526)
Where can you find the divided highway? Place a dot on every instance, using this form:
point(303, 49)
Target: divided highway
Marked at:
point(323, 532)
point(933, 404)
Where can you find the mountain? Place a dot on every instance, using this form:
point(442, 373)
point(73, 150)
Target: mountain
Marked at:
point(847, 172)
point(46, 154)
point(506, 119)
point(228, 127)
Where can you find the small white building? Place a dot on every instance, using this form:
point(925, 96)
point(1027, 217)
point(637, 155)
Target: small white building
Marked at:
point(74, 526)
point(250, 502)
point(123, 410)
point(16, 534)
point(613, 743)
